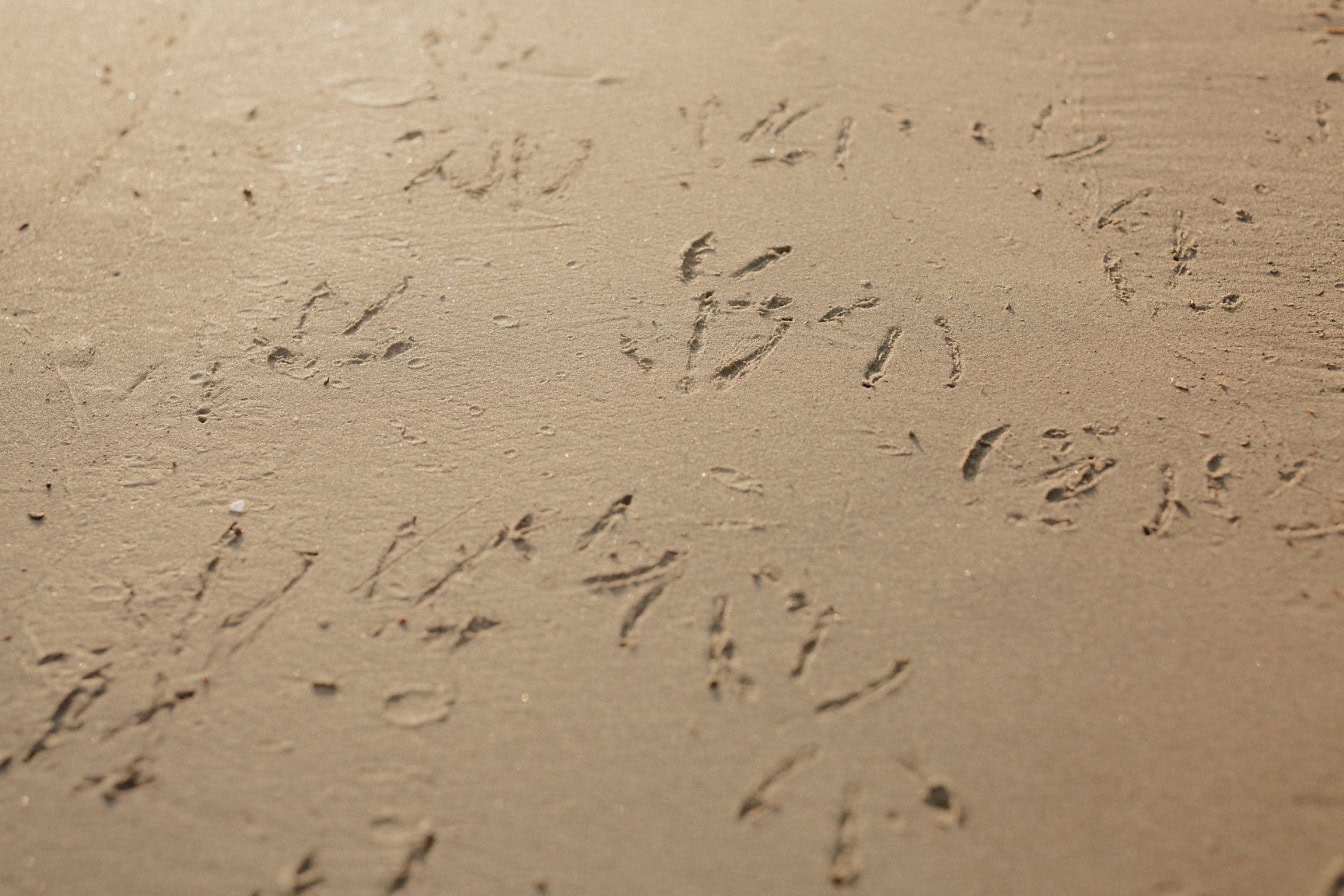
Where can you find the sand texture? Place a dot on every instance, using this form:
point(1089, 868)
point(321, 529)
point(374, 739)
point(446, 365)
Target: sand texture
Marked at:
point(867, 446)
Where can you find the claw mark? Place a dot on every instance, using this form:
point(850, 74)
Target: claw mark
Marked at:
point(128, 778)
point(561, 183)
point(373, 310)
point(605, 522)
point(790, 158)
point(809, 647)
point(883, 685)
point(305, 875)
point(786, 123)
point(691, 255)
point(740, 367)
point(706, 307)
point(462, 565)
point(1081, 479)
point(619, 581)
point(630, 348)
point(723, 653)
point(1183, 245)
point(321, 291)
point(434, 170)
point(737, 481)
point(1096, 146)
point(493, 176)
point(66, 716)
point(845, 866)
point(1042, 117)
point(416, 856)
point(638, 609)
point(1291, 533)
point(954, 348)
point(844, 143)
point(762, 261)
point(757, 802)
point(1332, 881)
point(308, 558)
point(231, 537)
point(1111, 265)
point(404, 531)
point(764, 125)
point(877, 368)
point(1108, 219)
point(466, 632)
point(385, 564)
point(1168, 508)
point(519, 533)
point(841, 311)
point(970, 466)
point(702, 120)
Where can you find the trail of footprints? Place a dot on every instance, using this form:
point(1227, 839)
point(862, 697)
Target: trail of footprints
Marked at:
point(780, 313)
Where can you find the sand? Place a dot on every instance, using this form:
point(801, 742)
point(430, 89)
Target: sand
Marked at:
point(699, 448)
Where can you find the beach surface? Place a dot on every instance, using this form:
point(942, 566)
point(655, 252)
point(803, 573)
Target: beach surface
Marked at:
point(597, 448)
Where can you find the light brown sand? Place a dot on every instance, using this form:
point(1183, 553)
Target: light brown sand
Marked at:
point(988, 539)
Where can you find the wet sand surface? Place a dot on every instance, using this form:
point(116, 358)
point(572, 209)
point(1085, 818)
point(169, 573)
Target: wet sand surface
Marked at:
point(885, 447)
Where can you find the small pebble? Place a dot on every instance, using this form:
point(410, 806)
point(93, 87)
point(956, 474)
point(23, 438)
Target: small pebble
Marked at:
point(238, 507)
point(36, 516)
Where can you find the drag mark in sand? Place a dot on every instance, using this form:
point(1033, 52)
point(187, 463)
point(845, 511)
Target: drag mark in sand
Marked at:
point(881, 686)
point(975, 457)
point(757, 802)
